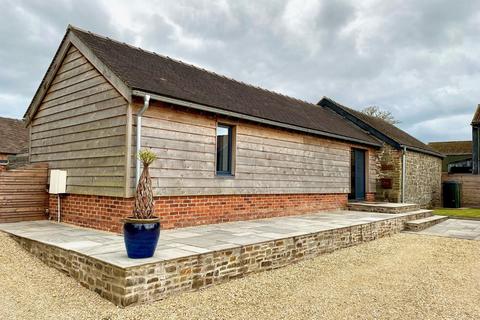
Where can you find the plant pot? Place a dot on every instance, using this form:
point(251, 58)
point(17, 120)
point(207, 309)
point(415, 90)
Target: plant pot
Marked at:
point(141, 237)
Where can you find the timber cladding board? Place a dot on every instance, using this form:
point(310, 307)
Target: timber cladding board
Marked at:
point(85, 126)
point(80, 127)
point(23, 194)
point(267, 160)
point(470, 195)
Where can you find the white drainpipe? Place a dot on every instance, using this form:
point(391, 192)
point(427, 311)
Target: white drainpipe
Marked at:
point(146, 103)
point(404, 172)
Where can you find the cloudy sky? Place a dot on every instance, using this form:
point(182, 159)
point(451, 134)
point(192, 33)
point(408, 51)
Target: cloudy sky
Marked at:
point(418, 59)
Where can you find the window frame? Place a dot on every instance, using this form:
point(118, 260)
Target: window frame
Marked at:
point(231, 150)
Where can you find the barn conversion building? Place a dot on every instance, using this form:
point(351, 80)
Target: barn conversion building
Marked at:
point(227, 150)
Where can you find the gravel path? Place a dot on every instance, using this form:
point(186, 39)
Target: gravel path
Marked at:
point(403, 277)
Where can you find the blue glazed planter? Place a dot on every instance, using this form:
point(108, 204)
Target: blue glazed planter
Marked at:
point(141, 237)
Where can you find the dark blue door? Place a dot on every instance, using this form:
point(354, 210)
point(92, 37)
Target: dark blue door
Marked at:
point(357, 184)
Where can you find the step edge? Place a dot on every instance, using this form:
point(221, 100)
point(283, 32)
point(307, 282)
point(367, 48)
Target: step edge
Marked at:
point(427, 219)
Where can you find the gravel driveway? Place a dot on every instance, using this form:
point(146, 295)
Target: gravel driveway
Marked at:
point(402, 277)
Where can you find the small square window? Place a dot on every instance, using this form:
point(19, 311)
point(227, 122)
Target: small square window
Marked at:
point(224, 149)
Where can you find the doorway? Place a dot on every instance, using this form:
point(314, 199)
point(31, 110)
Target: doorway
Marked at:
point(357, 175)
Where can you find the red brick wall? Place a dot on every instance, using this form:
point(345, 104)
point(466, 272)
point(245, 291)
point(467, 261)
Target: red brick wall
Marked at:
point(370, 196)
point(105, 213)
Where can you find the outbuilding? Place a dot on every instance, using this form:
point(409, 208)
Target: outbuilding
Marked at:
point(408, 169)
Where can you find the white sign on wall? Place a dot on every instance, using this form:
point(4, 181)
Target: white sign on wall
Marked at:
point(58, 181)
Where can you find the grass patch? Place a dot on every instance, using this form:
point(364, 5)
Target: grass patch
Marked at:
point(468, 213)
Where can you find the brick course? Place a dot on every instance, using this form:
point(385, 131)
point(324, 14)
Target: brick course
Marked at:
point(370, 197)
point(106, 213)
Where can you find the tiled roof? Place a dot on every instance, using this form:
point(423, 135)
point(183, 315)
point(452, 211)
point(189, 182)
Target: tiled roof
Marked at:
point(13, 136)
point(156, 74)
point(389, 130)
point(452, 147)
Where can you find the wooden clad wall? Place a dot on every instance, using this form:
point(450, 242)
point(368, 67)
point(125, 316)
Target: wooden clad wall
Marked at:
point(470, 195)
point(267, 160)
point(23, 194)
point(81, 127)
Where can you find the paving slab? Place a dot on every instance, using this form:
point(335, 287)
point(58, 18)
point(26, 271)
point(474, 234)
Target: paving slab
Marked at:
point(455, 228)
point(177, 243)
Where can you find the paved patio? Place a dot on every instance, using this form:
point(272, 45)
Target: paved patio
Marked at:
point(455, 228)
point(198, 257)
point(178, 243)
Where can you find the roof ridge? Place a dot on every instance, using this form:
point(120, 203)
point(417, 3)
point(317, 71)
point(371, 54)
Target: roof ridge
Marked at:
point(71, 27)
point(349, 110)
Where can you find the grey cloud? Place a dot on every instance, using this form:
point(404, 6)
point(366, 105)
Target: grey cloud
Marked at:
point(417, 59)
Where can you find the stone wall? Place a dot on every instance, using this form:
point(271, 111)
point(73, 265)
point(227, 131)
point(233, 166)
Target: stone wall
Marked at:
point(106, 213)
point(424, 179)
point(389, 167)
point(105, 279)
point(150, 282)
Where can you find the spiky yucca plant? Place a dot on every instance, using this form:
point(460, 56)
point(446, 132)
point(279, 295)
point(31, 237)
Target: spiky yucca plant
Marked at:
point(144, 203)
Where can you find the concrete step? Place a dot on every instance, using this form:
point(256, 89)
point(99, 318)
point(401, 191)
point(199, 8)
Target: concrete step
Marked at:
point(383, 207)
point(422, 224)
point(422, 213)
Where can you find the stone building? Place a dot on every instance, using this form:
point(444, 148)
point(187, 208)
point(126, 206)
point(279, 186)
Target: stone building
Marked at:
point(407, 169)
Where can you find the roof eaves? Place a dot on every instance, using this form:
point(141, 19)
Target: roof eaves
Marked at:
point(376, 132)
point(201, 107)
point(432, 153)
point(345, 113)
point(120, 84)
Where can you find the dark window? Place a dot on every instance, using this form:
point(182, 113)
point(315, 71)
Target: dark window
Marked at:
point(224, 150)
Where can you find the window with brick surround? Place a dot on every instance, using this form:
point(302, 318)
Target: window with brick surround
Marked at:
point(224, 159)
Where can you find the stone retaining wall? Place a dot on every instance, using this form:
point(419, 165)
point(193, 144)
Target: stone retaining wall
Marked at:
point(155, 281)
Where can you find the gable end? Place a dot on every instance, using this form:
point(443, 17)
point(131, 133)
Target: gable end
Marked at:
point(69, 40)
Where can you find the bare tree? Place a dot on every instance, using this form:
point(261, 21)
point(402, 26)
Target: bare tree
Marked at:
point(376, 112)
